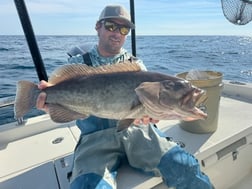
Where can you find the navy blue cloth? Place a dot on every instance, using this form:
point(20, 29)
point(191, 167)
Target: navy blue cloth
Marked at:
point(90, 181)
point(93, 124)
point(181, 170)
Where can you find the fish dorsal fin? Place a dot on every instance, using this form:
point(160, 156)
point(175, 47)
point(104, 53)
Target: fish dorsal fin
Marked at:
point(70, 71)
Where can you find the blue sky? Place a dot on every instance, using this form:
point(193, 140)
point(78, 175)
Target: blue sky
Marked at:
point(153, 17)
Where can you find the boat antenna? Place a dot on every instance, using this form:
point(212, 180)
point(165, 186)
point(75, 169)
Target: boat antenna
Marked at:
point(31, 40)
point(238, 12)
point(133, 32)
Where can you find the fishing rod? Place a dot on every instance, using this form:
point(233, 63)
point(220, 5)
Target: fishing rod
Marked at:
point(31, 40)
point(133, 32)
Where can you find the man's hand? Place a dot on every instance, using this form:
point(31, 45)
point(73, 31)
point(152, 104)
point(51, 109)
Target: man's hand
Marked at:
point(42, 96)
point(145, 121)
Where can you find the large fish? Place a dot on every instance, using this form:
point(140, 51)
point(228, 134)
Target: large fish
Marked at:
point(120, 91)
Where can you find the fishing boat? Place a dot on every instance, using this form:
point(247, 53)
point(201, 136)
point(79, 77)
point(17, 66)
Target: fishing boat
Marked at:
point(38, 153)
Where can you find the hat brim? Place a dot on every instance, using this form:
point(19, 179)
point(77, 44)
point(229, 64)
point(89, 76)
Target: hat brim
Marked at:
point(129, 23)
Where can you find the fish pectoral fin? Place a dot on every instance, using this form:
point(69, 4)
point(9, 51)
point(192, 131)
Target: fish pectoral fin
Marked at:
point(60, 114)
point(123, 124)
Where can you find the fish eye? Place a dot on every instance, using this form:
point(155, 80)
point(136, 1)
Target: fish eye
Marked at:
point(180, 85)
point(168, 84)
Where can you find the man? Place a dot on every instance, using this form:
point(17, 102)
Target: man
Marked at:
point(101, 147)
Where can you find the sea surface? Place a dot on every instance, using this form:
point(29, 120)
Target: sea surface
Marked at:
point(231, 55)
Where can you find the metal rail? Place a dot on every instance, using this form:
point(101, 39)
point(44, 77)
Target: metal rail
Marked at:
point(7, 101)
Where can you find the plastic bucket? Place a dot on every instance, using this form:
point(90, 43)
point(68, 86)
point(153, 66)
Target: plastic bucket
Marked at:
point(213, 85)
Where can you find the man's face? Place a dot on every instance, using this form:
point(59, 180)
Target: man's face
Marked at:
point(110, 42)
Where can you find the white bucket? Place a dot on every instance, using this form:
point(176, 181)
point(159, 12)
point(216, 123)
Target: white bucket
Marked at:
point(213, 86)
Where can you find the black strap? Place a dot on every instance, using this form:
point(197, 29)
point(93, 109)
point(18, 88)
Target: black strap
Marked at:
point(87, 59)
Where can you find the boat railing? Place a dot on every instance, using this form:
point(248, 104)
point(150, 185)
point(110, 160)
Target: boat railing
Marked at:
point(9, 101)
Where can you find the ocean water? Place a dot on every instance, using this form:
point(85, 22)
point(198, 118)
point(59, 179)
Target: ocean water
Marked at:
point(231, 55)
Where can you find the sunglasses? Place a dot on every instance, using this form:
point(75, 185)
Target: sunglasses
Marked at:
point(112, 26)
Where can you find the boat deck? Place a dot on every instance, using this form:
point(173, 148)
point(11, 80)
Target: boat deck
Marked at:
point(225, 155)
point(32, 158)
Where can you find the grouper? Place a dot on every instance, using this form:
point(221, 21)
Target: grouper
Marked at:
point(120, 91)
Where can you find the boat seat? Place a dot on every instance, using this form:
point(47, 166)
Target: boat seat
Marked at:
point(40, 177)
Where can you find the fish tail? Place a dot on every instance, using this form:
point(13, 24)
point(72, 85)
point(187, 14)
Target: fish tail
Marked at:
point(26, 96)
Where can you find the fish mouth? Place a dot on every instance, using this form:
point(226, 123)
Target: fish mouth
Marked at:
point(193, 99)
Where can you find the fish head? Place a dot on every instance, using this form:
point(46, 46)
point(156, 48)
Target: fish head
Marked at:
point(171, 99)
point(183, 97)
point(179, 92)
point(172, 90)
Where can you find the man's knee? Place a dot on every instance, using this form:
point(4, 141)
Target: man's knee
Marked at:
point(90, 181)
point(181, 170)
